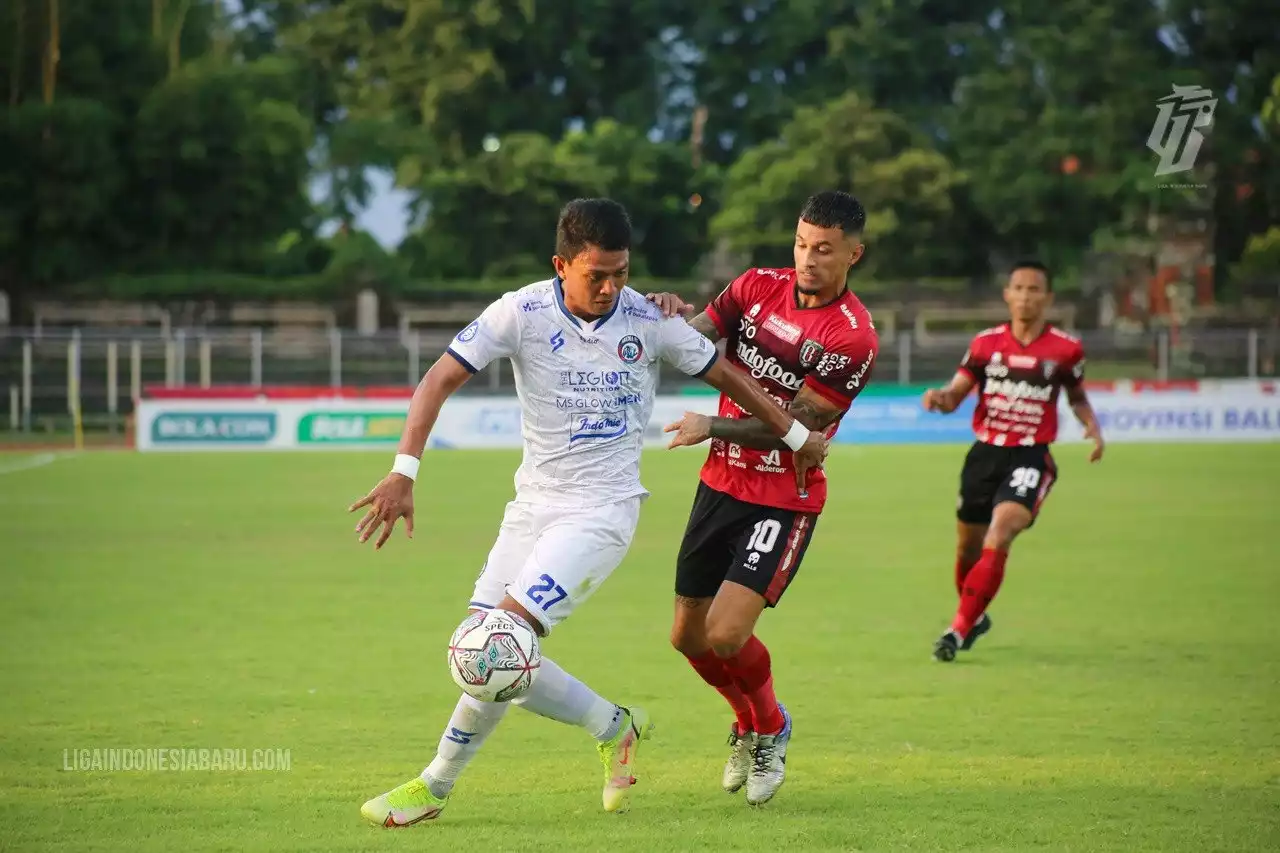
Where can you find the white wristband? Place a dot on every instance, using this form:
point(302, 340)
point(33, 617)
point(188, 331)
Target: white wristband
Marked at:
point(796, 436)
point(406, 465)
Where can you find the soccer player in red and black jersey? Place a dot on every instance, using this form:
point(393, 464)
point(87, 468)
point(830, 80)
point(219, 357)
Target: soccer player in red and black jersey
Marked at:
point(1019, 368)
point(808, 341)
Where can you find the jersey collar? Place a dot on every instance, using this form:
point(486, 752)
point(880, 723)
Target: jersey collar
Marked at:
point(578, 322)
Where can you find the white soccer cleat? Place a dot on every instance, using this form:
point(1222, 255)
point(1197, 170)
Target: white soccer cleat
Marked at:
point(769, 764)
point(741, 748)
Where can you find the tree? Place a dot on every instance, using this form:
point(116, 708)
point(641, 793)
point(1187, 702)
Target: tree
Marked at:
point(1052, 128)
point(914, 197)
point(224, 152)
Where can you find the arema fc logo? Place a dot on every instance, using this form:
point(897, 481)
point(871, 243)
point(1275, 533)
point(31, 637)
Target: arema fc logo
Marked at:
point(630, 349)
point(469, 332)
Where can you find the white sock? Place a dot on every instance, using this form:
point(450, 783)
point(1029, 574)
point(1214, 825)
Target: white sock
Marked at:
point(472, 722)
point(559, 696)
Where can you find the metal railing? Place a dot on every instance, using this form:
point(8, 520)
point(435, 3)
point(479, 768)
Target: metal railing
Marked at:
point(44, 373)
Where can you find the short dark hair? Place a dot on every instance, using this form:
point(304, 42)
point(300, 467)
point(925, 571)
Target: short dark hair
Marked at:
point(1032, 264)
point(600, 222)
point(834, 209)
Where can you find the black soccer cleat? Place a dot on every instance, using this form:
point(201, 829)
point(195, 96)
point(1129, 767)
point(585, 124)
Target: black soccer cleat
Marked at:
point(983, 626)
point(944, 651)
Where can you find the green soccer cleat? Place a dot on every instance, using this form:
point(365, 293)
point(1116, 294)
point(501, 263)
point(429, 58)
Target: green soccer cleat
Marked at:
point(406, 805)
point(618, 755)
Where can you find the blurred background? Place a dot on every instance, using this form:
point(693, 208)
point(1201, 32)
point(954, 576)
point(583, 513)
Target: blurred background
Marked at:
point(318, 193)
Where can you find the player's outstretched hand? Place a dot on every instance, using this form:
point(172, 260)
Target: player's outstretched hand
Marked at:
point(390, 501)
point(670, 304)
point(689, 430)
point(932, 401)
point(811, 455)
point(1094, 435)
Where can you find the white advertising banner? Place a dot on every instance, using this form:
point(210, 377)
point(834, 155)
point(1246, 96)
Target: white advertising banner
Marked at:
point(1227, 411)
point(464, 422)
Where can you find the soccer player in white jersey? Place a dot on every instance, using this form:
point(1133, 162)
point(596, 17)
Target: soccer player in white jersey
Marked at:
point(585, 351)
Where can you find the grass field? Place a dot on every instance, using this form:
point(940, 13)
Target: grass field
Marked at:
point(1127, 699)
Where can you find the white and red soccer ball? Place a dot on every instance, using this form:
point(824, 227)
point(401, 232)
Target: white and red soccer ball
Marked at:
point(494, 656)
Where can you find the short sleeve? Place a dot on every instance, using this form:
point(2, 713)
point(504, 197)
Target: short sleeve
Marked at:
point(684, 347)
point(844, 370)
point(494, 334)
point(1073, 371)
point(726, 309)
point(973, 362)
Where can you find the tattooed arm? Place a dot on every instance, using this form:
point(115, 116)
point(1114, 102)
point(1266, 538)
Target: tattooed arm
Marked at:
point(706, 327)
point(809, 408)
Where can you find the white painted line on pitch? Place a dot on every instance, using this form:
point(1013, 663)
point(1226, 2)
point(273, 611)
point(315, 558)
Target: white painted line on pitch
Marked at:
point(38, 461)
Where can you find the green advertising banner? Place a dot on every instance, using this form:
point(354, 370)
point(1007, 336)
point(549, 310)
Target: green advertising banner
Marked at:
point(199, 427)
point(338, 427)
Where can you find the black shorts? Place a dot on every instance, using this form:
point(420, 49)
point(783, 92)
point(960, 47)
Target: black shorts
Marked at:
point(727, 539)
point(993, 475)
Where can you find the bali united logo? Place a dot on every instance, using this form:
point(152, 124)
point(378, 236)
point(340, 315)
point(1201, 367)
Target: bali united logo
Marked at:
point(810, 352)
point(1048, 367)
point(630, 349)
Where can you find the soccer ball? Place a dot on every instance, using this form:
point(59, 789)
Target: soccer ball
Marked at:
point(494, 656)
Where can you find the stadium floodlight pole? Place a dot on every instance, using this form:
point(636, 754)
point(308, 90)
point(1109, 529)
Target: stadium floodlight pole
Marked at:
point(113, 381)
point(26, 386)
point(73, 389)
point(206, 362)
point(135, 370)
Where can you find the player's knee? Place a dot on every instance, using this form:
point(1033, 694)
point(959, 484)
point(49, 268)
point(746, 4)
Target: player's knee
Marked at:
point(727, 640)
point(688, 640)
point(1004, 530)
point(999, 539)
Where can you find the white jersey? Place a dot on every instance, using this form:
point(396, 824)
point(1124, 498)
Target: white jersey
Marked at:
point(586, 389)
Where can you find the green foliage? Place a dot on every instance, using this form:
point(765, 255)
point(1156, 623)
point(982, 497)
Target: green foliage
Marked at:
point(494, 214)
point(971, 130)
point(225, 155)
point(912, 193)
point(1261, 258)
point(359, 262)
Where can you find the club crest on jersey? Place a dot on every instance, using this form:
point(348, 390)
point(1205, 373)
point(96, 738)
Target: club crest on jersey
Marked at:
point(1048, 367)
point(469, 332)
point(780, 328)
point(810, 351)
point(630, 349)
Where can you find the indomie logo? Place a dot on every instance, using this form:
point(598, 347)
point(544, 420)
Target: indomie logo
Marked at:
point(767, 368)
point(1018, 390)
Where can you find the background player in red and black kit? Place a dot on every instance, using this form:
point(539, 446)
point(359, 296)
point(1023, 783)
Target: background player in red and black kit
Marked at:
point(809, 342)
point(1019, 369)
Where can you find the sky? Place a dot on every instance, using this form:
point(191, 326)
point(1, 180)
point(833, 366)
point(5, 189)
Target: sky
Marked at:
point(386, 217)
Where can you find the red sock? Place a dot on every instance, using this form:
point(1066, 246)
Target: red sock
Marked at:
point(751, 672)
point(980, 587)
point(715, 673)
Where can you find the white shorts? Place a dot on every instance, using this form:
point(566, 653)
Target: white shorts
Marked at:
point(551, 559)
